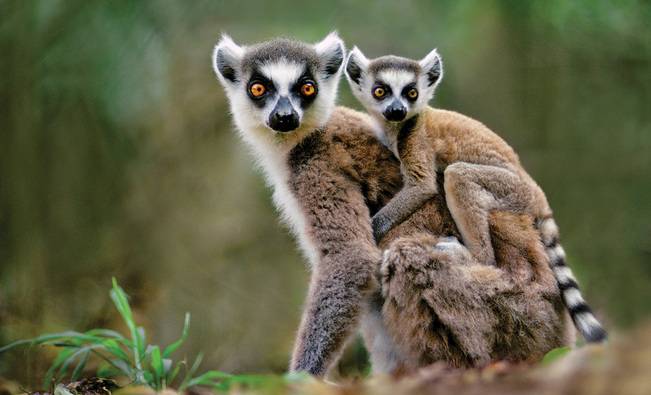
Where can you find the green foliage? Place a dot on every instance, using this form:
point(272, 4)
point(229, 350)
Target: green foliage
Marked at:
point(555, 354)
point(130, 357)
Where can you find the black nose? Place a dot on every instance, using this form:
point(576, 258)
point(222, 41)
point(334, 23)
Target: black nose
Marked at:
point(395, 112)
point(283, 118)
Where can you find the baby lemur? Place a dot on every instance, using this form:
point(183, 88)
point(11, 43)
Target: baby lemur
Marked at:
point(481, 171)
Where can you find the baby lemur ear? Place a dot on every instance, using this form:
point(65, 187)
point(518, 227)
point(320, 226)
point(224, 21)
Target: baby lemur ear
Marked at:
point(226, 60)
point(331, 54)
point(432, 67)
point(356, 66)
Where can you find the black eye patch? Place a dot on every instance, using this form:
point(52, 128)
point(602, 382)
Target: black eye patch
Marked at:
point(258, 78)
point(407, 89)
point(297, 89)
point(380, 90)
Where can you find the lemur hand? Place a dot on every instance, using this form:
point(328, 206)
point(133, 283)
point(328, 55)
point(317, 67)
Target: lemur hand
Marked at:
point(381, 225)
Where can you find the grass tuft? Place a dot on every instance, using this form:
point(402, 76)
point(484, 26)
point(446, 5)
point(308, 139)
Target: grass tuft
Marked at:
point(129, 356)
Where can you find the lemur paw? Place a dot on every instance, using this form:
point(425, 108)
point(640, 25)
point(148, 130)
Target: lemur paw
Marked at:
point(381, 225)
point(447, 243)
point(450, 250)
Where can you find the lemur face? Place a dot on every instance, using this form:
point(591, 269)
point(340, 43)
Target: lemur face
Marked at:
point(393, 88)
point(280, 86)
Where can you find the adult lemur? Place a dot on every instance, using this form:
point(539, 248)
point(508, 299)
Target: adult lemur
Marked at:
point(329, 175)
point(482, 173)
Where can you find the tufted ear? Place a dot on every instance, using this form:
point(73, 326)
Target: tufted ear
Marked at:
point(356, 66)
point(226, 60)
point(330, 51)
point(432, 67)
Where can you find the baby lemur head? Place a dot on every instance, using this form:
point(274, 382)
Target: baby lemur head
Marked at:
point(393, 88)
point(279, 87)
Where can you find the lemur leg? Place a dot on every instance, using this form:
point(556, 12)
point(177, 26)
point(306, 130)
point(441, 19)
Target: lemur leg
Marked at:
point(435, 301)
point(384, 355)
point(472, 191)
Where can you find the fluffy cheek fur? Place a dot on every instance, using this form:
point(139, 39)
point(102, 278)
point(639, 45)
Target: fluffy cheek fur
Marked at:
point(245, 114)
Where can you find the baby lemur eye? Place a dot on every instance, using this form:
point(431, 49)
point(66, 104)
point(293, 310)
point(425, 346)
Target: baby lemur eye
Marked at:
point(257, 89)
point(308, 89)
point(412, 93)
point(379, 92)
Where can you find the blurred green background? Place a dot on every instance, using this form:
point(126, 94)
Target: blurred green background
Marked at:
point(117, 156)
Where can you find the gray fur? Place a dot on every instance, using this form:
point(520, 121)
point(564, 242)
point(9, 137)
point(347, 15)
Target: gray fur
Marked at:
point(277, 49)
point(393, 62)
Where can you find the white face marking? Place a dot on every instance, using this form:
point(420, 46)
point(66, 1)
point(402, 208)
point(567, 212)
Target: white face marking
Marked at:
point(284, 75)
point(396, 79)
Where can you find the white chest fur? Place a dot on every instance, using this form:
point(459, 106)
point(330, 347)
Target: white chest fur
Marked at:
point(292, 214)
point(273, 160)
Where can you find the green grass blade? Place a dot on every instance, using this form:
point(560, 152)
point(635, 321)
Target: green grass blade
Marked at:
point(184, 335)
point(67, 363)
point(555, 355)
point(142, 340)
point(124, 367)
point(108, 371)
point(114, 348)
point(157, 365)
point(15, 344)
point(61, 357)
point(210, 378)
point(80, 366)
point(121, 302)
point(174, 372)
point(111, 334)
point(50, 338)
point(190, 372)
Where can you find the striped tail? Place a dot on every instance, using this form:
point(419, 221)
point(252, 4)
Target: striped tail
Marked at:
point(581, 314)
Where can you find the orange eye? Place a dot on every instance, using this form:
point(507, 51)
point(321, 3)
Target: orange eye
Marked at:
point(379, 92)
point(412, 94)
point(257, 89)
point(308, 89)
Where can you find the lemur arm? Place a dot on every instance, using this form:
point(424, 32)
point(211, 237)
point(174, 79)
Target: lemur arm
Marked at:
point(402, 205)
point(338, 287)
point(419, 175)
point(338, 223)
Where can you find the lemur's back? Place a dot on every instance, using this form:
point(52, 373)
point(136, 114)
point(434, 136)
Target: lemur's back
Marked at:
point(458, 138)
point(447, 137)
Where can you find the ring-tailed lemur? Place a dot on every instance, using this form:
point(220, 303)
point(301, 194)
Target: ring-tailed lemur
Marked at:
point(482, 173)
point(328, 178)
point(282, 93)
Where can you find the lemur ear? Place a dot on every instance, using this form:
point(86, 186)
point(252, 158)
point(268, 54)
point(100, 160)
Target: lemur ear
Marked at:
point(356, 65)
point(226, 60)
point(331, 54)
point(433, 67)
